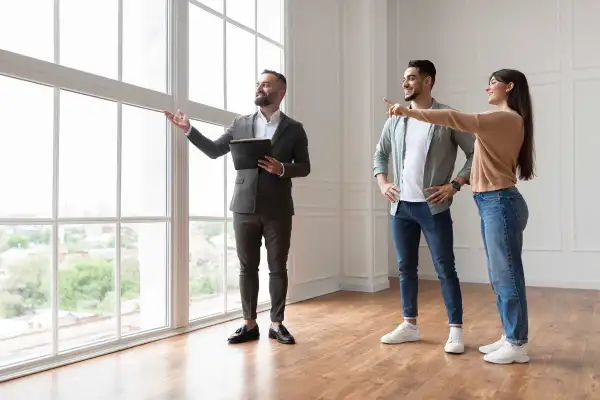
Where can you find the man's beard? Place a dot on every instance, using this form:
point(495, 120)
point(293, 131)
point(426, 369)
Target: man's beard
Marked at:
point(262, 101)
point(412, 96)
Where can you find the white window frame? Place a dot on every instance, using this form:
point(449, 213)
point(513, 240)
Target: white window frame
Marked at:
point(61, 77)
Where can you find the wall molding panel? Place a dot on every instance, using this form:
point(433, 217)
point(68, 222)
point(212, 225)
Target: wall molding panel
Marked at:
point(364, 77)
point(340, 238)
point(315, 257)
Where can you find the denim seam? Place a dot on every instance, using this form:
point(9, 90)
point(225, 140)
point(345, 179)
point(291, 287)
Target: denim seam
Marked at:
point(512, 207)
point(510, 258)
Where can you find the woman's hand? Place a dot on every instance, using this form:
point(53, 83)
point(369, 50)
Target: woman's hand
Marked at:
point(395, 109)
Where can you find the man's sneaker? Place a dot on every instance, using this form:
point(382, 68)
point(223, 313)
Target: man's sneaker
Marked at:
point(405, 332)
point(487, 349)
point(455, 343)
point(507, 354)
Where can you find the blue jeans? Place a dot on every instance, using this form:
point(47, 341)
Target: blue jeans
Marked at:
point(407, 224)
point(504, 216)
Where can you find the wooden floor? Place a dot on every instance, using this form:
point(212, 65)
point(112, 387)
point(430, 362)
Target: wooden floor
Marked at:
point(339, 356)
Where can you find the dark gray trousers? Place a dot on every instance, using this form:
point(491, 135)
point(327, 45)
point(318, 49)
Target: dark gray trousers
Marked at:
point(249, 231)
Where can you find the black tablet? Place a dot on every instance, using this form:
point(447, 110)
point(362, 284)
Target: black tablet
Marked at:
point(245, 153)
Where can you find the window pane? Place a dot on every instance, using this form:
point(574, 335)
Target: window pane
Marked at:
point(206, 176)
point(145, 43)
point(25, 292)
point(88, 156)
point(143, 277)
point(269, 56)
point(270, 18)
point(206, 58)
point(234, 300)
point(242, 11)
point(16, 22)
point(86, 284)
point(263, 275)
point(241, 76)
point(231, 174)
point(143, 163)
point(206, 268)
point(26, 156)
point(216, 5)
point(89, 36)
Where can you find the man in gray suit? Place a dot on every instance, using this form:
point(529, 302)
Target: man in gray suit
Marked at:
point(262, 203)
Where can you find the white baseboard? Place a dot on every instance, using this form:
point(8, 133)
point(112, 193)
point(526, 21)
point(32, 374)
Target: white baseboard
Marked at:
point(587, 285)
point(353, 284)
point(544, 283)
point(309, 290)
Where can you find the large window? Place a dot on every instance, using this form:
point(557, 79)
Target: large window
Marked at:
point(107, 212)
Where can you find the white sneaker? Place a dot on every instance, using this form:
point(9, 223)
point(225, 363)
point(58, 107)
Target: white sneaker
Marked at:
point(508, 354)
point(455, 341)
point(494, 346)
point(405, 332)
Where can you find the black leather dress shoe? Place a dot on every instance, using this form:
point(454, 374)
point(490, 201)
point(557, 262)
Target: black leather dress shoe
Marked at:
point(281, 334)
point(243, 334)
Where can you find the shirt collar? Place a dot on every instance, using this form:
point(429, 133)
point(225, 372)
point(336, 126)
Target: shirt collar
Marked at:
point(274, 118)
point(434, 104)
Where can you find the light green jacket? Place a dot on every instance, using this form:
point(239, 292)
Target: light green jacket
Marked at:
point(442, 146)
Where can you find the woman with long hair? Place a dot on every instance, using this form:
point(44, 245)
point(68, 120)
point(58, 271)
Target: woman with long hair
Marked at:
point(503, 151)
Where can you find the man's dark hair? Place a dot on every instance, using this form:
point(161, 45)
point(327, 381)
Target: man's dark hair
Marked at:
point(425, 68)
point(278, 75)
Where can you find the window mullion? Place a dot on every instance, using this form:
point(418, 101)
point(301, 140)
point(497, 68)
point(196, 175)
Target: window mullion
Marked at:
point(117, 280)
point(256, 39)
point(224, 283)
point(179, 61)
point(55, 301)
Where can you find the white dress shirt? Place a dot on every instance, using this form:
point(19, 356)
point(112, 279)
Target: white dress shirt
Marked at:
point(264, 129)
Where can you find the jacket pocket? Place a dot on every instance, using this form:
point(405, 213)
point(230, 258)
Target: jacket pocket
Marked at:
point(239, 179)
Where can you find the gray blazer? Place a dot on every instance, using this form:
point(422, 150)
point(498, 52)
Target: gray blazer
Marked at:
point(256, 190)
point(442, 145)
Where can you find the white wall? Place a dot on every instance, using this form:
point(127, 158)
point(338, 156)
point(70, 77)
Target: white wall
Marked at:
point(467, 40)
point(337, 63)
point(313, 94)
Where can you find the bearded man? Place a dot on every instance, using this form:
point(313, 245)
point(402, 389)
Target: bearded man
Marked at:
point(262, 203)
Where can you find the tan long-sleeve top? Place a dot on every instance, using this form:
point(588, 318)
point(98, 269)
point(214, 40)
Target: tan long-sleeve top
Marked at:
point(499, 136)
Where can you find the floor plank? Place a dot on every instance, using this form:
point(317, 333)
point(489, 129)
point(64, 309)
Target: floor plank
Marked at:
point(339, 356)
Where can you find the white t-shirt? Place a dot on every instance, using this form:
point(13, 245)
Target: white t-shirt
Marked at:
point(414, 160)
